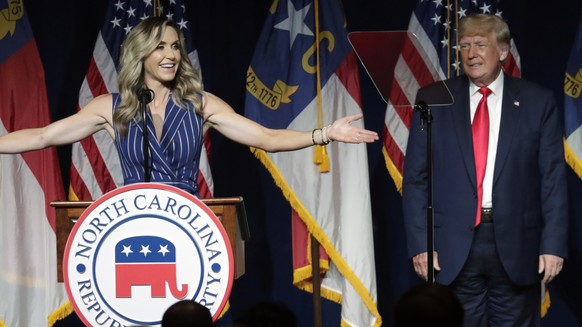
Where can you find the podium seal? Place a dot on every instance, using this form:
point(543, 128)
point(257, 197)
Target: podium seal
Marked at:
point(140, 248)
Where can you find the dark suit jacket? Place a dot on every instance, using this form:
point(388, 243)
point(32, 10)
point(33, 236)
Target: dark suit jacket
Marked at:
point(529, 184)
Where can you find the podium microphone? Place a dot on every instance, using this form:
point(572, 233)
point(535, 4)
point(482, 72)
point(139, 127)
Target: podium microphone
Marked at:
point(425, 115)
point(145, 96)
point(421, 105)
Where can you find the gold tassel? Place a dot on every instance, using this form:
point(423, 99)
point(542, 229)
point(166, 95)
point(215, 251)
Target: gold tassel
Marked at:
point(324, 165)
point(317, 155)
point(321, 158)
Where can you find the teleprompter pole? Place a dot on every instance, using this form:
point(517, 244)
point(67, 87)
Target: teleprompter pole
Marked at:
point(426, 120)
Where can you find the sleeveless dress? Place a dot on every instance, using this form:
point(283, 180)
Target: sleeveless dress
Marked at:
point(174, 159)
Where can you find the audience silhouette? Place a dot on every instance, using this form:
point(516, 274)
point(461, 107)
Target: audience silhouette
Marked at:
point(267, 314)
point(428, 304)
point(187, 313)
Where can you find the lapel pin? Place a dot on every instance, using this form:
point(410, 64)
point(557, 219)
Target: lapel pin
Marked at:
point(516, 103)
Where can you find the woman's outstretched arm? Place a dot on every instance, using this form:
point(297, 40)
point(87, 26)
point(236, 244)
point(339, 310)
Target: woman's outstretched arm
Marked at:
point(94, 117)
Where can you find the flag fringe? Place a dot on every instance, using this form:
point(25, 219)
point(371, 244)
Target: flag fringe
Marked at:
point(392, 170)
point(572, 159)
point(314, 228)
point(304, 274)
point(225, 309)
point(2, 323)
point(72, 195)
point(59, 314)
point(546, 304)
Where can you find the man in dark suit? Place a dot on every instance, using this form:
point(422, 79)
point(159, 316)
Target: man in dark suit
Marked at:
point(499, 185)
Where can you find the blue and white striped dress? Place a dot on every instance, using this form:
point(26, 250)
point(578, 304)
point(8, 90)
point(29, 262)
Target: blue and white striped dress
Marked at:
point(174, 159)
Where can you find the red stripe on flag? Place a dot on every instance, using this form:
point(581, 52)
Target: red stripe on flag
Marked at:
point(105, 180)
point(351, 80)
point(95, 79)
point(401, 104)
point(417, 64)
point(393, 151)
point(77, 184)
point(203, 188)
point(510, 66)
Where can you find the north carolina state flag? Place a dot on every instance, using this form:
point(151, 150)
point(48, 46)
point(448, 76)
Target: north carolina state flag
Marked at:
point(28, 183)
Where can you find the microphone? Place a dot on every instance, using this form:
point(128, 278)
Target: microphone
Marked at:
point(145, 95)
point(422, 106)
point(425, 114)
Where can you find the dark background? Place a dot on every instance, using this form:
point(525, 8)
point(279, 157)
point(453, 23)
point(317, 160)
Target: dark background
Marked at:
point(225, 33)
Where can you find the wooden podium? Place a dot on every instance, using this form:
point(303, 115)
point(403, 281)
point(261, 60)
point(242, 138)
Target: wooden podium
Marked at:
point(230, 211)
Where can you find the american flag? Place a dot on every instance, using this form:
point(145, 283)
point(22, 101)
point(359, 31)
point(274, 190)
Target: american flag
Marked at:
point(434, 23)
point(95, 167)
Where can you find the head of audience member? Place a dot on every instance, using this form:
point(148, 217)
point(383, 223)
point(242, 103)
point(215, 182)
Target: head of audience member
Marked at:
point(187, 313)
point(267, 314)
point(428, 304)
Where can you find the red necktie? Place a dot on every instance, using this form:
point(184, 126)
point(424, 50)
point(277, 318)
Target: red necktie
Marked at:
point(480, 128)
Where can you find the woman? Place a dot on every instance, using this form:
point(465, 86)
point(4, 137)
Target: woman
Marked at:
point(154, 58)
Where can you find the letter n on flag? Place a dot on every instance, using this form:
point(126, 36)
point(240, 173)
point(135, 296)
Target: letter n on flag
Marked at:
point(30, 293)
point(95, 166)
point(290, 86)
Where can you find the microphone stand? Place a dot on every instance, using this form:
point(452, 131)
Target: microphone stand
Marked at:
point(426, 120)
point(145, 96)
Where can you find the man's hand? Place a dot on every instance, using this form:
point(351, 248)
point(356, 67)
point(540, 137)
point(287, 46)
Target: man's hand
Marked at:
point(420, 262)
point(551, 266)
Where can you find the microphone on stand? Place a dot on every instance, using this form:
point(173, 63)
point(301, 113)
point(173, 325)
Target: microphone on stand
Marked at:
point(145, 96)
point(424, 110)
point(426, 124)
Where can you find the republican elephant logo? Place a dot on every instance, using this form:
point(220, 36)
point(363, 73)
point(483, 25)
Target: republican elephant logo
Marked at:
point(149, 261)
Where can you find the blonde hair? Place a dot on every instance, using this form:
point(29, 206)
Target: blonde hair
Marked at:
point(143, 39)
point(482, 25)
